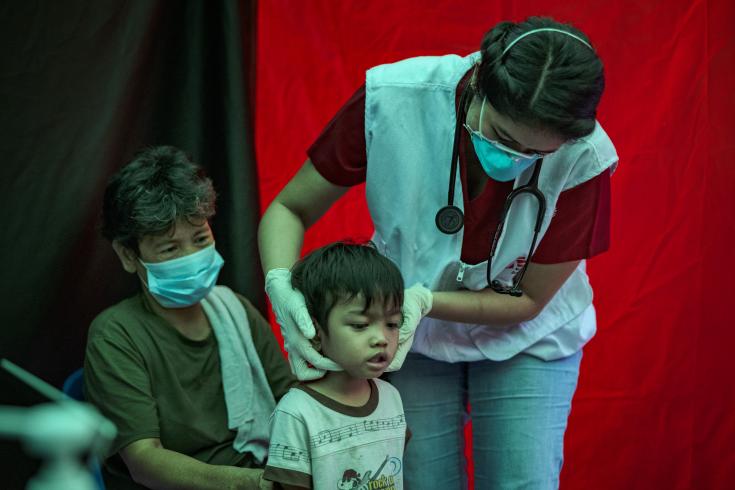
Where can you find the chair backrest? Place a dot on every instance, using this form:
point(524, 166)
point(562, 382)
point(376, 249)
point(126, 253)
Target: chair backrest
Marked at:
point(74, 388)
point(74, 385)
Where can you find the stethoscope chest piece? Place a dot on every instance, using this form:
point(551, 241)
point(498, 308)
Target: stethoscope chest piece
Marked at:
point(449, 219)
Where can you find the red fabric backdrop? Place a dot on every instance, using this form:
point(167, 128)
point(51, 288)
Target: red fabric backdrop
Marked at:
point(656, 394)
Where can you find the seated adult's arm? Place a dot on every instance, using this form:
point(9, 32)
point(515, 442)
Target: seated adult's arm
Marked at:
point(153, 466)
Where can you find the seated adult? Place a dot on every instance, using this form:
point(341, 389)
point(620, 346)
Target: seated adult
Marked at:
point(188, 371)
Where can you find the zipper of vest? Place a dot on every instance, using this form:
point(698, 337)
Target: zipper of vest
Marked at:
point(460, 273)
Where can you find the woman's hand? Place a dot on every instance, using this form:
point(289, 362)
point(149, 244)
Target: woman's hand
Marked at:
point(417, 302)
point(296, 327)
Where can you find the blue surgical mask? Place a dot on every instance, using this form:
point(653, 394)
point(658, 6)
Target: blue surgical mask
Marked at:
point(498, 161)
point(183, 282)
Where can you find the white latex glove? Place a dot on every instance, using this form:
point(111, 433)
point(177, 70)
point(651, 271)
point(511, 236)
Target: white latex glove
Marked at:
point(417, 302)
point(297, 328)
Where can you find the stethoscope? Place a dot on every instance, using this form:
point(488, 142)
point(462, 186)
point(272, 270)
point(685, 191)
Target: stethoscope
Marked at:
point(450, 219)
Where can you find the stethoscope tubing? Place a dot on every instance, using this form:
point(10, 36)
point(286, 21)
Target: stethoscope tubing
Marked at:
point(450, 219)
point(530, 187)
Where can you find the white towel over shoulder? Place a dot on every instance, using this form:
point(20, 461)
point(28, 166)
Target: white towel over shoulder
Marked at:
point(248, 396)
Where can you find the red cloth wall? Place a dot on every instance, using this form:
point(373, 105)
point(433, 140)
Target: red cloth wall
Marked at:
point(656, 394)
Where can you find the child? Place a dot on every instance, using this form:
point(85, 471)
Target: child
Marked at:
point(346, 430)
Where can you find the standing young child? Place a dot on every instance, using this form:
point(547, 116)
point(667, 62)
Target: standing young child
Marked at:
point(347, 429)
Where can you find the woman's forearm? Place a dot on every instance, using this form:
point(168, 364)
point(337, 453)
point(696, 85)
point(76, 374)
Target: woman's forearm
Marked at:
point(280, 237)
point(486, 307)
point(299, 205)
point(483, 307)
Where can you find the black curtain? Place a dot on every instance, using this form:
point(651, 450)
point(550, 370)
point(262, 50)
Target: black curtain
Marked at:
point(85, 84)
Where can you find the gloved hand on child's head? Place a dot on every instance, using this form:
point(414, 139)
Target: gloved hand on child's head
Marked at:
point(417, 302)
point(297, 327)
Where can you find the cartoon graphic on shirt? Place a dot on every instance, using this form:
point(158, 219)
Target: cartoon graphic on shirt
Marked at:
point(351, 479)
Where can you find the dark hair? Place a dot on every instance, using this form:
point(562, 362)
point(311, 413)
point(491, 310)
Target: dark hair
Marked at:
point(341, 271)
point(546, 80)
point(147, 196)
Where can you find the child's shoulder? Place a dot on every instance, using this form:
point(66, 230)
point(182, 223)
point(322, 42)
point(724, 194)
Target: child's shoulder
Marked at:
point(296, 400)
point(294, 394)
point(386, 389)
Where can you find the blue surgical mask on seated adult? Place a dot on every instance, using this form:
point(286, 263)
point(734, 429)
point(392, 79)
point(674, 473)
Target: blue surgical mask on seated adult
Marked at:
point(185, 281)
point(498, 161)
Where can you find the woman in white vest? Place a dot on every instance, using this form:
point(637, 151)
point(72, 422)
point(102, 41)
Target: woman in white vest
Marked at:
point(441, 143)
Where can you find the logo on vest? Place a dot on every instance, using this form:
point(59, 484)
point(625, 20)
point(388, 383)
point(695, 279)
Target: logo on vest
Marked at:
point(516, 266)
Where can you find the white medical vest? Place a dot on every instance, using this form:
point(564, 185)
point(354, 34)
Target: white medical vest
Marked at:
point(410, 119)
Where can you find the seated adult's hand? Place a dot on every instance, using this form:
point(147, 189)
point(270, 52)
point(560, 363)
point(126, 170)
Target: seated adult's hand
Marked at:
point(297, 328)
point(261, 483)
point(417, 302)
point(153, 466)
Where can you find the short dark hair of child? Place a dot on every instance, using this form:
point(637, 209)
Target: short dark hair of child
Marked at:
point(341, 271)
point(148, 195)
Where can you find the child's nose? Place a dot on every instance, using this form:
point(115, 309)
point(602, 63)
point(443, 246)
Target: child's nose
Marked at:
point(380, 336)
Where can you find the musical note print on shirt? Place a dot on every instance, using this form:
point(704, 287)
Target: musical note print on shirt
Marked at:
point(334, 435)
point(289, 453)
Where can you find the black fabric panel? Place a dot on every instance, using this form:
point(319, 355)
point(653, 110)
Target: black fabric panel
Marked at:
point(84, 85)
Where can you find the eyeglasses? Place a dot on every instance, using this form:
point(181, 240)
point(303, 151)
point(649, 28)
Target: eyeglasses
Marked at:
point(515, 156)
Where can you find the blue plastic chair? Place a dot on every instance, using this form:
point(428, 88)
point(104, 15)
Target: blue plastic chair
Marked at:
point(74, 388)
point(74, 385)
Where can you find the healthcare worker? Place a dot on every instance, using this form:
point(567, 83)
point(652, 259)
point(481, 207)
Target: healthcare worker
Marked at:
point(496, 158)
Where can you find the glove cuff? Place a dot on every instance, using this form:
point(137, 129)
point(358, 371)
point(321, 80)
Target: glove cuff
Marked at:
point(277, 273)
point(424, 296)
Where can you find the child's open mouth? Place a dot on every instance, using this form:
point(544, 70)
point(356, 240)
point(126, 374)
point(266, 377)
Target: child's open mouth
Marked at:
point(378, 361)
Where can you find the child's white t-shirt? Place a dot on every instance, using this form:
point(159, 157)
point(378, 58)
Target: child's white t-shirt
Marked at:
point(319, 443)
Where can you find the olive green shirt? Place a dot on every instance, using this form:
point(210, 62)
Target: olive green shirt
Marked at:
point(152, 382)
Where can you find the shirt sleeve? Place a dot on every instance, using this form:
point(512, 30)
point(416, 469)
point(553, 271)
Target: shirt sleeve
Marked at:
point(117, 383)
point(274, 363)
point(289, 461)
point(339, 153)
point(580, 228)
